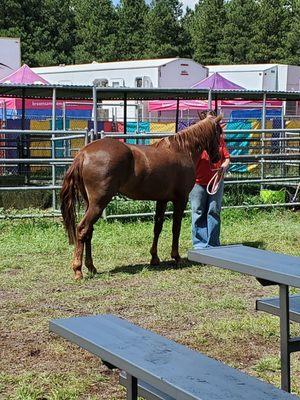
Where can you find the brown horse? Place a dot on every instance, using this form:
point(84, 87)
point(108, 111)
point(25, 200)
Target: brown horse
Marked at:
point(163, 171)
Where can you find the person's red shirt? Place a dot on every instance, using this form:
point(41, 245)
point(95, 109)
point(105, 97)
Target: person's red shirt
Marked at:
point(204, 168)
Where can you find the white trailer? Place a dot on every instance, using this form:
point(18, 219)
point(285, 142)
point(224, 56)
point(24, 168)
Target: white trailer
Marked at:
point(10, 55)
point(261, 76)
point(156, 73)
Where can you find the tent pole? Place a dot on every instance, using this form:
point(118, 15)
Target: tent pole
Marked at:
point(209, 100)
point(177, 115)
point(216, 105)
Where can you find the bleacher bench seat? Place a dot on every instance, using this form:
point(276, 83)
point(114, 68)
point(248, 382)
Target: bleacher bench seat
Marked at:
point(271, 306)
point(169, 367)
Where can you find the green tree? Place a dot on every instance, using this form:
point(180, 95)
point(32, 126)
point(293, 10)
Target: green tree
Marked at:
point(55, 34)
point(131, 39)
point(269, 31)
point(96, 22)
point(236, 43)
point(165, 34)
point(206, 31)
point(291, 42)
point(44, 27)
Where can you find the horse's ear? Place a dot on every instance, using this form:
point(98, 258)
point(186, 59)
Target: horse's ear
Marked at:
point(219, 118)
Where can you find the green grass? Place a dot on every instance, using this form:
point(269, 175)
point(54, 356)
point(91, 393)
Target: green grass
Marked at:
point(208, 309)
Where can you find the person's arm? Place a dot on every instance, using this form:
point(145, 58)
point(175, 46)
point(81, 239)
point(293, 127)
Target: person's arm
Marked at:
point(225, 154)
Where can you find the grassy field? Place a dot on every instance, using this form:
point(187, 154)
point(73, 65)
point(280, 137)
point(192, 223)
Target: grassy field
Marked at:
point(208, 309)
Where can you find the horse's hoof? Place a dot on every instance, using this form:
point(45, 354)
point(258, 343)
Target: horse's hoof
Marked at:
point(92, 270)
point(78, 275)
point(177, 260)
point(155, 261)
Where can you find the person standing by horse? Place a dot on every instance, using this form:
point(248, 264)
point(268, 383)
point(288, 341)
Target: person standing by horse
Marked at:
point(206, 196)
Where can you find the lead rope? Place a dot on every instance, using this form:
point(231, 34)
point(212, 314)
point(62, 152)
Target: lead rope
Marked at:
point(214, 184)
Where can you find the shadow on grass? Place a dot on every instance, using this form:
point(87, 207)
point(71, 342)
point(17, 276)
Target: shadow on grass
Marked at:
point(137, 268)
point(256, 244)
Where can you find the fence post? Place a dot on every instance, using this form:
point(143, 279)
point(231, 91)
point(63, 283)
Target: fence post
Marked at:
point(86, 137)
point(263, 136)
point(104, 215)
point(53, 147)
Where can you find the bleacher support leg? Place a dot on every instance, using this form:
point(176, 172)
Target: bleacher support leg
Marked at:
point(285, 338)
point(132, 388)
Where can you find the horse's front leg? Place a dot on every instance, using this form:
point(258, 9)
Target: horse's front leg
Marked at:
point(179, 207)
point(158, 224)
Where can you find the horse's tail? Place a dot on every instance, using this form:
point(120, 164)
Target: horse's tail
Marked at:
point(70, 193)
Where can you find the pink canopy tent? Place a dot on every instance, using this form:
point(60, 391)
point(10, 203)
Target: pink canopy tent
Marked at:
point(25, 76)
point(215, 81)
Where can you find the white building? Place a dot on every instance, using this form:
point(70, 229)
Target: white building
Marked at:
point(10, 55)
point(160, 73)
point(276, 77)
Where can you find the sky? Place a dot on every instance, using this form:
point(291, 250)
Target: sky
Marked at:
point(190, 3)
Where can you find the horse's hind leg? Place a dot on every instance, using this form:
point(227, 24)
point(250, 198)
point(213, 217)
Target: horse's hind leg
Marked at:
point(84, 236)
point(88, 253)
point(179, 207)
point(158, 224)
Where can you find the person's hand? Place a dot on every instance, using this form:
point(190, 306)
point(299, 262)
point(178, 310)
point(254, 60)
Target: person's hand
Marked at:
point(225, 164)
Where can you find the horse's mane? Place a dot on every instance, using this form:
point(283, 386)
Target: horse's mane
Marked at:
point(191, 138)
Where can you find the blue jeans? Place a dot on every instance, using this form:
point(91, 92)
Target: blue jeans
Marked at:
point(206, 222)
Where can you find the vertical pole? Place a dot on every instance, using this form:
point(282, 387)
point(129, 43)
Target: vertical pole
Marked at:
point(216, 105)
point(53, 147)
point(138, 118)
point(263, 136)
point(25, 139)
point(177, 115)
point(23, 110)
point(125, 113)
point(131, 388)
point(94, 134)
point(4, 117)
point(86, 136)
point(284, 338)
point(209, 100)
point(64, 116)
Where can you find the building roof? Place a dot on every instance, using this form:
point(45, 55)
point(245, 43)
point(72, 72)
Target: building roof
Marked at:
point(96, 66)
point(240, 67)
point(70, 92)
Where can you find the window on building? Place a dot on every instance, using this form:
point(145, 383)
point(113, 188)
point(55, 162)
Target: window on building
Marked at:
point(101, 82)
point(138, 82)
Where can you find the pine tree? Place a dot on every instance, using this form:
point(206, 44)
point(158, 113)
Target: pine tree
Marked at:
point(96, 22)
point(131, 40)
point(165, 35)
point(269, 32)
point(44, 27)
point(291, 39)
point(56, 34)
point(206, 30)
point(241, 19)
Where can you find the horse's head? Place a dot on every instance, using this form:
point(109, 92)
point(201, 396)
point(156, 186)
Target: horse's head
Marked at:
point(213, 142)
